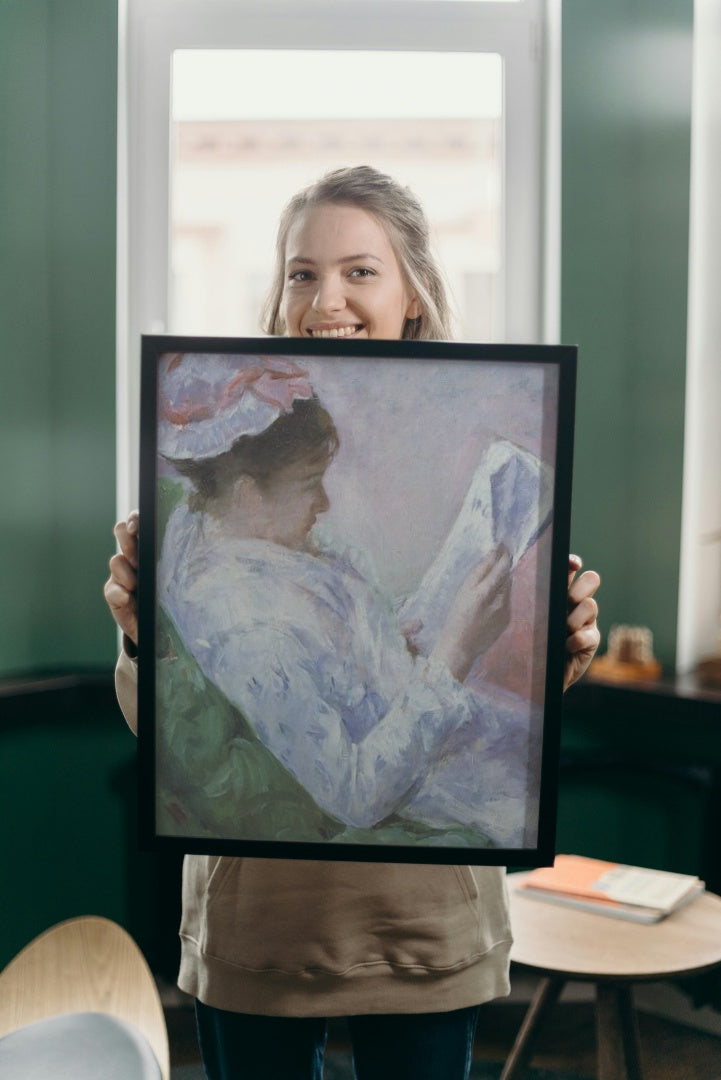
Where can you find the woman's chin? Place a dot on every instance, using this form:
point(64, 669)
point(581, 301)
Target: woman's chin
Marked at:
point(298, 543)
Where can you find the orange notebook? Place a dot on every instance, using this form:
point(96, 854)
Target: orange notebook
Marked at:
point(631, 892)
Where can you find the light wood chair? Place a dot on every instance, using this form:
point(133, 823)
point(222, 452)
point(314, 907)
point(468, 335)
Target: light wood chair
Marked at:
point(81, 966)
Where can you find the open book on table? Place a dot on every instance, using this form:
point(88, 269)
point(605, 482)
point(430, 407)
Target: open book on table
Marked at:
point(608, 888)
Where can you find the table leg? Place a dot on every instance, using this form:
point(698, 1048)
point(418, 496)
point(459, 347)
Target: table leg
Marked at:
point(545, 997)
point(617, 1033)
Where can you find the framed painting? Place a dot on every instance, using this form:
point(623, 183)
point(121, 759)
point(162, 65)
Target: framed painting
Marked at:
point(352, 597)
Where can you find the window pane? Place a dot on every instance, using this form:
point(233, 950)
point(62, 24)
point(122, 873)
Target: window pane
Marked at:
point(252, 127)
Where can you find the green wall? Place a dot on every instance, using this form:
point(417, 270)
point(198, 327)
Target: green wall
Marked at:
point(641, 779)
point(626, 146)
point(67, 772)
point(58, 71)
point(626, 137)
point(68, 799)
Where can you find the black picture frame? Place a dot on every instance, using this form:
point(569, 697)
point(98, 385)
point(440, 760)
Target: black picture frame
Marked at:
point(425, 429)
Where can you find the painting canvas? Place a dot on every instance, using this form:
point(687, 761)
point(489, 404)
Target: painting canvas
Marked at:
point(353, 572)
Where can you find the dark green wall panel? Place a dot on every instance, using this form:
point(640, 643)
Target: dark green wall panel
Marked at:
point(61, 786)
point(25, 400)
point(58, 76)
point(626, 146)
point(68, 798)
point(641, 777)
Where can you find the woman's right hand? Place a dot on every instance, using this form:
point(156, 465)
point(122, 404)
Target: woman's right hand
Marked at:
point(478, 616)
point(121, 587)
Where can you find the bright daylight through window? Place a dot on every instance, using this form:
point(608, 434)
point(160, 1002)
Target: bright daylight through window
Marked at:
point(237, 156)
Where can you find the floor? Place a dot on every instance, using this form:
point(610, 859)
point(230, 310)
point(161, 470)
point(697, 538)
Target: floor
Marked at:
point(669, 1050)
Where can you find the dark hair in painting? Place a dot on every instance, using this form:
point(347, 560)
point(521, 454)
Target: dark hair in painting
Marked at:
point(305, 434)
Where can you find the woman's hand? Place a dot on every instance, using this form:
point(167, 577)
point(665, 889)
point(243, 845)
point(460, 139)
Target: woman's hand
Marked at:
point(582, 633)
point(479, 614)
point(121, 587)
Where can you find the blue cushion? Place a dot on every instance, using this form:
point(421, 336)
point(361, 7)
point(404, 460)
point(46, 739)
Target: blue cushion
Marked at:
point(78, 1046)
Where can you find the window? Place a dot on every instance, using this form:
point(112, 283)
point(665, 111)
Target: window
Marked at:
point(699, 623)
point(227, 107)
point(236, 160)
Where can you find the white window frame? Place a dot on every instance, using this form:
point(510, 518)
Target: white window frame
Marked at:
point(526, 34)
point(699, 596)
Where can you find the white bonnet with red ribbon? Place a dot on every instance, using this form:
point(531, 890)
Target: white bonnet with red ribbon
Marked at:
point(206, 401)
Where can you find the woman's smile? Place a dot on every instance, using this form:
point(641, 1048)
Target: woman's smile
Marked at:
point(335, 331)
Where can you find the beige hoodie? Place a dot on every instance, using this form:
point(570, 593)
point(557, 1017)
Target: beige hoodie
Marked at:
point(286, 937)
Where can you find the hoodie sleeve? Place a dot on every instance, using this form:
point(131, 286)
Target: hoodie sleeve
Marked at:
point(126, 688)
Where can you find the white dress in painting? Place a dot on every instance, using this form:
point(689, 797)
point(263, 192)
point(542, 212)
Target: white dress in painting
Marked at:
point(310, 652)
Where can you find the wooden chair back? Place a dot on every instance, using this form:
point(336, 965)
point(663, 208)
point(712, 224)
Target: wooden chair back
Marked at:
point(86, 964)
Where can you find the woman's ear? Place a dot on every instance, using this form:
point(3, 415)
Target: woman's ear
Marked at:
point(243, 498)
point(415, 309)
point(245, 490)
point(242, 505)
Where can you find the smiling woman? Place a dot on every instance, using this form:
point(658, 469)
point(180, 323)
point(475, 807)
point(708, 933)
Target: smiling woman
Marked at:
point(337, 256)
point(353, 259)
point(297, 941)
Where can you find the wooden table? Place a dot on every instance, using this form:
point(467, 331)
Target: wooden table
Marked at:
point(563, 944)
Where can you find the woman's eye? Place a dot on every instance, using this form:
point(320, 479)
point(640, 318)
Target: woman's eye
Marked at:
point(300, 276)
point(362, 272)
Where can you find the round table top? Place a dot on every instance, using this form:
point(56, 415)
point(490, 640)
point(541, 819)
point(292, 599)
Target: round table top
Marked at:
point(559, 940)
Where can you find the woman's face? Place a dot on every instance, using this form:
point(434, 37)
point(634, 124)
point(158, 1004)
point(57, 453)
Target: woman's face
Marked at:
point(284, 508)
point(342, 277)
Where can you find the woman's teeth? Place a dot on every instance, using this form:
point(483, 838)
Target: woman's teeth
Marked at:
point(337, 331)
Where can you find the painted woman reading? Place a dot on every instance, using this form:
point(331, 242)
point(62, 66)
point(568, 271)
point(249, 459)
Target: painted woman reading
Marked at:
point(314, 717)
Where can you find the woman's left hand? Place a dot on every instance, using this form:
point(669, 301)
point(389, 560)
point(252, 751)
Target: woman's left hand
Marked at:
point(582, 633)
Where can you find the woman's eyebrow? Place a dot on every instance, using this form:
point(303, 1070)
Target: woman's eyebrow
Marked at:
point(361, 257)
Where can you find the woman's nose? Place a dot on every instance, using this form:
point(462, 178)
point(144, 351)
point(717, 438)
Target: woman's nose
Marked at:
point(329, 295)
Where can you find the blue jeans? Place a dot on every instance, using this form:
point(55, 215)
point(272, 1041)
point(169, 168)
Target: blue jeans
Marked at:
point(415, 1046)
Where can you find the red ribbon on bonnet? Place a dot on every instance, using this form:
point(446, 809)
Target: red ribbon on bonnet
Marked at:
point(278, 386)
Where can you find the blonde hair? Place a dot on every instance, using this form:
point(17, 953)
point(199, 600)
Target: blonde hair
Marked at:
point(403, 217)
